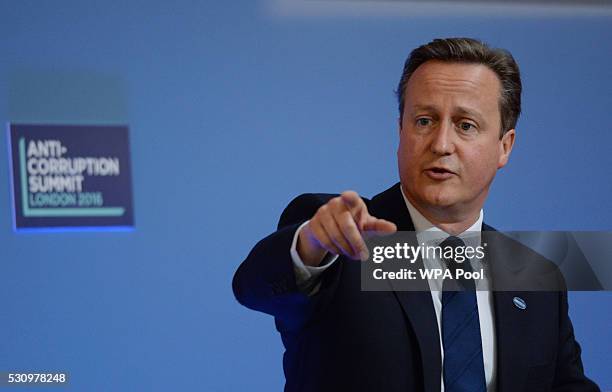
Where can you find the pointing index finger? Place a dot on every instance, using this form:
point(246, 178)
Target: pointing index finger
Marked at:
point(353, 202)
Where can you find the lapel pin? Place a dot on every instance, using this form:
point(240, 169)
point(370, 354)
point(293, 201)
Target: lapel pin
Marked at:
point(519, 303)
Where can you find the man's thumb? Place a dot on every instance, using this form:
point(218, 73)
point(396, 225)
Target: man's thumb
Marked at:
point(378, 226)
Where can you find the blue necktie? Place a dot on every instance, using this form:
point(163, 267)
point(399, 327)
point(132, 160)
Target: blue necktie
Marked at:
point(463, 364)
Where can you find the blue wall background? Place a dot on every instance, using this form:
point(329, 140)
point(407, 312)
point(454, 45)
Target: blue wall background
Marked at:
point(233, 110)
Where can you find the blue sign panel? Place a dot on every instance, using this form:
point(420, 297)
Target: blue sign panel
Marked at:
point(71, 177)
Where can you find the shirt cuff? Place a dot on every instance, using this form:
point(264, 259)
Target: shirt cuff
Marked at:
point(306, 275)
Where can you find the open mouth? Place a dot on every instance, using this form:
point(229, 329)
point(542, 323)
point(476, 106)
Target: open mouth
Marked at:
point(439, 173)
point(439, 170)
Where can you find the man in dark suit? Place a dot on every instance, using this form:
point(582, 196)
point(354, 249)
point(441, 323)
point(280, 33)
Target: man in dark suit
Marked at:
point(459, 103)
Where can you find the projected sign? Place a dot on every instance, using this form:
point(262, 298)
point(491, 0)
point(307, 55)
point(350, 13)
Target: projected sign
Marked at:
point(67, 176)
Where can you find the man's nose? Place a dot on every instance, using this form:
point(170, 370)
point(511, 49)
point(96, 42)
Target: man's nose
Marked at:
point(442, 142)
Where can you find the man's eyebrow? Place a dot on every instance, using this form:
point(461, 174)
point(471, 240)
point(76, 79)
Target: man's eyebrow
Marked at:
point(461, 110)
point(423, 108)
point(468, 112)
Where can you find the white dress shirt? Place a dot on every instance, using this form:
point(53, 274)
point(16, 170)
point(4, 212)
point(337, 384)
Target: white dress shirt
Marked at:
point(426, 232)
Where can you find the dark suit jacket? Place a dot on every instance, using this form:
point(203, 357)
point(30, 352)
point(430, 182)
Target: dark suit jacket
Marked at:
point(346, 339)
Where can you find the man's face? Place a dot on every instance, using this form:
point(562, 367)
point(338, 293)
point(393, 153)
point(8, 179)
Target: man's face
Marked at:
point(449, 148)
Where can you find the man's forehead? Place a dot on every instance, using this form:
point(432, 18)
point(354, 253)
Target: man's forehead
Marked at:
point(466, 88)
point(469, 75)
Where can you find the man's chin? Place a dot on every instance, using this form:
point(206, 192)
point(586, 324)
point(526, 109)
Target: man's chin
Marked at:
point(435, 196)
point(441, 200)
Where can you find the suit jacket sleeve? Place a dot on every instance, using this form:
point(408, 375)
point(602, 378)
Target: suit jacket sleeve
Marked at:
point(266, 282)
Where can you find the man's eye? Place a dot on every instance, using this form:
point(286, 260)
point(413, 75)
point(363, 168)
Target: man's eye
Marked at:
point(423, 122)
point(467, 127)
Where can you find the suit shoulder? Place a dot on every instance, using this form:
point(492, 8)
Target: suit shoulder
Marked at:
point(533, 271)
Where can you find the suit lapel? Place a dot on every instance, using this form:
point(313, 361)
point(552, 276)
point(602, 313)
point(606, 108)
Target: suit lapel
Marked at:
point(417, 305)
point(511, 323)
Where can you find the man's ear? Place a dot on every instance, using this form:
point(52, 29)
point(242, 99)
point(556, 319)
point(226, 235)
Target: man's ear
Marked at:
point(505, 147)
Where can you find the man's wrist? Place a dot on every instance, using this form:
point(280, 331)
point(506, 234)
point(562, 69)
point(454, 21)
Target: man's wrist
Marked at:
point(310, 254)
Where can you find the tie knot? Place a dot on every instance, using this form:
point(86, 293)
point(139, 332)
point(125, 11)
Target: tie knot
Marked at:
point(453, 249)
point(453, 253)
point(453, 243)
